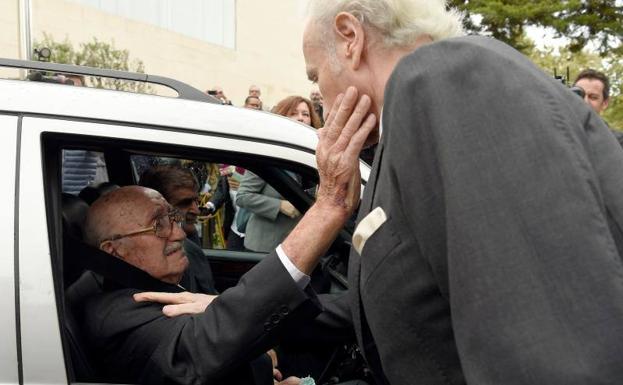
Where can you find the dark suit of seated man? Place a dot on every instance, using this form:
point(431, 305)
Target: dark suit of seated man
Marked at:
point(136, 342)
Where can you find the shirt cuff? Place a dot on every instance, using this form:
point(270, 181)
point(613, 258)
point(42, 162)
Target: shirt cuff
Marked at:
point(301, 279)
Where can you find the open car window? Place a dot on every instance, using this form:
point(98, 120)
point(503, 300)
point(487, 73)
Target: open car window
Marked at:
point(234, 208)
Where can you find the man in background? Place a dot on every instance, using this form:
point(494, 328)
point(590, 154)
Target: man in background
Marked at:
point(255, 91)
point(180, 188)
point(218, 93)
point(596, 86)
point(316, 98)
point(253, 102)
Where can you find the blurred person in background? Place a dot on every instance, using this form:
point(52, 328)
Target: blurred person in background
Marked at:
point(253, 102)
point(218, 93)
point(316, 98)
point(257, 93)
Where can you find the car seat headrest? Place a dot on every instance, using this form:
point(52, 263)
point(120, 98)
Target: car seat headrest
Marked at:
point(92, 192)
point(74, 214)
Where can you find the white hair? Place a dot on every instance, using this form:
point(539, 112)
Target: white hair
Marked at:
point(399, 22)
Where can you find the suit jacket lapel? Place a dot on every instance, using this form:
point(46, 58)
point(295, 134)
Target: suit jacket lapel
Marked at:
point(354, 266)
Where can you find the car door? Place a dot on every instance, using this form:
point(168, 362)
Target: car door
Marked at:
point(43, 143)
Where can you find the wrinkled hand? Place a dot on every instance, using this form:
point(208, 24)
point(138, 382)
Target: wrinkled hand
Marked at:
point(286, 208)
point(177, 303)
point(347, 127)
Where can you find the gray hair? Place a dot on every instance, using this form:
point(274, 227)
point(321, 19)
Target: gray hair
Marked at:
point(399, 22)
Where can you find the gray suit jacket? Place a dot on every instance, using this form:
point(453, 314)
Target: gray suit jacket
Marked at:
point(267, 227)
point(500, 259)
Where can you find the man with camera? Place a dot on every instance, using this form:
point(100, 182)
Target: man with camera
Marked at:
point(218, 93)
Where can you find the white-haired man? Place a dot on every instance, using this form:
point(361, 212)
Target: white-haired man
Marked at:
point(488, 245)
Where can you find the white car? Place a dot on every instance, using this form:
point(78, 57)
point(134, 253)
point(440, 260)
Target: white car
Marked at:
point(39, 121)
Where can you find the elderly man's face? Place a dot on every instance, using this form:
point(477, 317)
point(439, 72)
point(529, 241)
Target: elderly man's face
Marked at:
point(333, 76)
point(162, 258)
point(319, 68)
point(254, 91)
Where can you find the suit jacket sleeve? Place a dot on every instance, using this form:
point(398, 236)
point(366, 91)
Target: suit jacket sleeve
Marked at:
point(252, 196)
point(511, 194)
point(242, 323)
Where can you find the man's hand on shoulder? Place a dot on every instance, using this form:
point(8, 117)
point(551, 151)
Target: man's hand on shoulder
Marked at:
point(177, 303)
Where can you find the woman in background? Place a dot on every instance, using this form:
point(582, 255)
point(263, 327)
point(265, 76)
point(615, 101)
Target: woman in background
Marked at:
point(298, 108)
point(272, 217)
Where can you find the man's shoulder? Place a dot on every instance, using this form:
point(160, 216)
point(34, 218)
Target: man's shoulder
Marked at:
point(617, 134)
point(461, 65)
point(114, 312)
point(460, 55)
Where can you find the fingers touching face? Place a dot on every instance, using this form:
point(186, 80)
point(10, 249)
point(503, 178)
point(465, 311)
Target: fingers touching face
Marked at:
point(349, 119)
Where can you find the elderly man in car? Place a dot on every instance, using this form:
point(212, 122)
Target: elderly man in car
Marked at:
point(137, 341)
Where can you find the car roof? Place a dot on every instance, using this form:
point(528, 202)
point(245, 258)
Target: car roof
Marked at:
point(17, 96)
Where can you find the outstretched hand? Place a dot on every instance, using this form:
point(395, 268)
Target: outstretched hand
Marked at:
point(347, 127)
point(177, 303)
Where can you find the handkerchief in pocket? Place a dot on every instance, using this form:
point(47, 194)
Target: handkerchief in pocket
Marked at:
point(367, 227)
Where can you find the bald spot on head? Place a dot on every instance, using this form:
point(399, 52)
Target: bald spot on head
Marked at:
point(119, 211)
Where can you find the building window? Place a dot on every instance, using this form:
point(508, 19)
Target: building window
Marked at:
point(213, 21)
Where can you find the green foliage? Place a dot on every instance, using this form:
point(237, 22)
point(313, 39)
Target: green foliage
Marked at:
point(100, 55)
point(581, 21)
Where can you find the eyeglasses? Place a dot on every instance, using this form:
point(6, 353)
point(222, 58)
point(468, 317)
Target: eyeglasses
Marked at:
point(162, 227)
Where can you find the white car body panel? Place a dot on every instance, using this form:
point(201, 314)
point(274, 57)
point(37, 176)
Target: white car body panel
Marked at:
point(42, 353)
point(8, 333)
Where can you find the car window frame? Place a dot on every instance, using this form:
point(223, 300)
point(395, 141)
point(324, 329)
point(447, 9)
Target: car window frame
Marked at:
point(55, 138)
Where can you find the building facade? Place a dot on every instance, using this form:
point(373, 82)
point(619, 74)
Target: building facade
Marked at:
point(205, 43)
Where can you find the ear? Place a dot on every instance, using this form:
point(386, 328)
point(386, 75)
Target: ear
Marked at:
point(110, 248)
point(605, 104)
point(350, 38)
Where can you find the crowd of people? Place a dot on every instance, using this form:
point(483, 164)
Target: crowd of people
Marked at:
point(488, 242)
point(313, 110)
